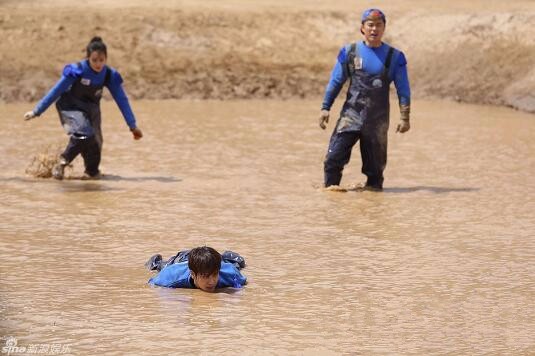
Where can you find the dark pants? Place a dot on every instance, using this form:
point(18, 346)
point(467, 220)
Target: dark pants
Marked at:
point(88, 148)
point(373, 147)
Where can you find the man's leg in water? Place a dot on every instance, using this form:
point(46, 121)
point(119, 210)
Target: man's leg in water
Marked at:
point(338, 155)
point(373, 147)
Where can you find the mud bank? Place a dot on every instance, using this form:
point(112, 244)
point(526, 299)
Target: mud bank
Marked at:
point(235, 52)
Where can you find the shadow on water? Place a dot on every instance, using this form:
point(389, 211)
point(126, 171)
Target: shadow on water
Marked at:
point(70, 185)
point(436, 190)
point(87, 187)
point(229, 291)
point(395, 190)
point(187, 296)
point(114, 177)
point(22, 179)
point(104, 177)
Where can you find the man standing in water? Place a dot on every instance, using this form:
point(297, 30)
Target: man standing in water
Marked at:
point(371, 66)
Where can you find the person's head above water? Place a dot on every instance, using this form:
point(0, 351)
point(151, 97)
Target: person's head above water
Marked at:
point(373, 24)
point(97, 54)
point(204, 263)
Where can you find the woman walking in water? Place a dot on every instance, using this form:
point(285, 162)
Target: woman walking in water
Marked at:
point(79, 91)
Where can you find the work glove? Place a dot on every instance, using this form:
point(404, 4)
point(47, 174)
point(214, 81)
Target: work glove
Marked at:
point(404, 124)
point(324, 118)
point(136, 133)
point(29, 115)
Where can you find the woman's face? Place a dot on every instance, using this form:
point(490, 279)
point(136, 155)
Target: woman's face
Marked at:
point(97, 61)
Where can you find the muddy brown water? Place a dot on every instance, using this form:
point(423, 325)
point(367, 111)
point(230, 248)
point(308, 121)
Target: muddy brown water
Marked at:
point(442, 261)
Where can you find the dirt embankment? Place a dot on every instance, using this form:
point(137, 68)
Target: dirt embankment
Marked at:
point(223, 53)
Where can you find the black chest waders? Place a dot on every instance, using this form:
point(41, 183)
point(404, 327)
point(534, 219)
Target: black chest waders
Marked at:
point(364, 117)
point(79, 113)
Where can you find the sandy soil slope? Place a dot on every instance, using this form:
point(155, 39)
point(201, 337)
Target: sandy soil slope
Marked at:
point(481, 52)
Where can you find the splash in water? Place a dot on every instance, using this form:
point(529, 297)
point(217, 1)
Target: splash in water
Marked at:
point(43, 162)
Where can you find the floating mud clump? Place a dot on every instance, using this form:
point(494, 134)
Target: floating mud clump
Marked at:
point(42, 163)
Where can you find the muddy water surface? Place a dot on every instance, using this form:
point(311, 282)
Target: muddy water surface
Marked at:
point(442, 260)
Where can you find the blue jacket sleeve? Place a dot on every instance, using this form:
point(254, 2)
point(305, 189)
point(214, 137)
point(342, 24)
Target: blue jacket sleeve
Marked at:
point(401, 81)
point(70, 73)
point(230, 276)
point(117, 92)
point(173, 276)
point(339, 76)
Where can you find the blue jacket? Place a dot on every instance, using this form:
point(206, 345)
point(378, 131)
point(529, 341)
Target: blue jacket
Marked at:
point(373, 60)
point(72, 72)
point(178, 275)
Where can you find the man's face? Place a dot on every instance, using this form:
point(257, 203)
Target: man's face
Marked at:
point(206, 283)
point(373, 31)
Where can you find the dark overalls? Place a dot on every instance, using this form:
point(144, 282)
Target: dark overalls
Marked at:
point(364, 117)
point(79, 113)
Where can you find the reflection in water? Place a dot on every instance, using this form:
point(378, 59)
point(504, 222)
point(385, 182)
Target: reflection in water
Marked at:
point(441, 260)
point(86, 187)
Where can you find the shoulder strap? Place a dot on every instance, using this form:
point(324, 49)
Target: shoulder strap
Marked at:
point(389, 57)
point(351, 58)
point(388, 61)
point(107, 79)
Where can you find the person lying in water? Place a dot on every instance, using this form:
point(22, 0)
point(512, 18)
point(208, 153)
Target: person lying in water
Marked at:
point(201, 267)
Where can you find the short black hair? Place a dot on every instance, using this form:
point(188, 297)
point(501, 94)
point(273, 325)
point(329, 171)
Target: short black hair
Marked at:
point(96, 45)
point(204, 261)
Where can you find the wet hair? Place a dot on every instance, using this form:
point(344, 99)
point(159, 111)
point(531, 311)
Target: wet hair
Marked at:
point(96, 45)
point(204, 261)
